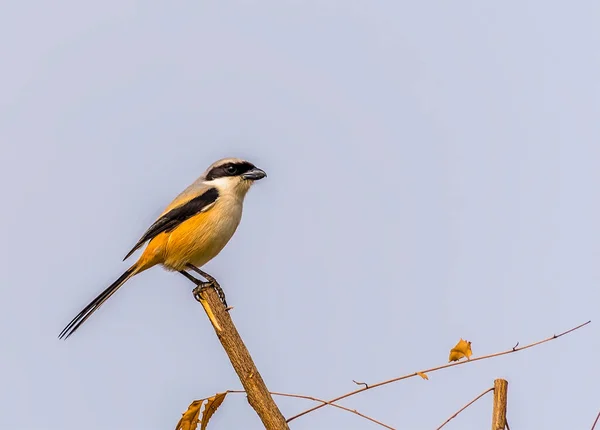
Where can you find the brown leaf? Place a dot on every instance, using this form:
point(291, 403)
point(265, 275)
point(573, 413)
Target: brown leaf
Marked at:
point(461, 350)
point(423, 375)
point(212, 404)
point(189, 420)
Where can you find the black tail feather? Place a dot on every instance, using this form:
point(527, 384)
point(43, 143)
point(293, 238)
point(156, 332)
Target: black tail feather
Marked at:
point(95, 304)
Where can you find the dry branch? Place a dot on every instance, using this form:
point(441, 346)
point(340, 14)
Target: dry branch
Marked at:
point(464, 407)
point(258, 395)
point(316, 399)
point(500, 402)
point(596, 421)
point(433, 369)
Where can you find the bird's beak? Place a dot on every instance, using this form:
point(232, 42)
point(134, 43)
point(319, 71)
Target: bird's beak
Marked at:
point(254, 174)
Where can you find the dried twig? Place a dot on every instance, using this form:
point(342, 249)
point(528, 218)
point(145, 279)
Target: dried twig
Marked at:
point(465, 407)
point(316, 399)
point(361, 383)
point(433, 369)
point(596, 421)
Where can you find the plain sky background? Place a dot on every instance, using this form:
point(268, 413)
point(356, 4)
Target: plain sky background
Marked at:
point(433, 174)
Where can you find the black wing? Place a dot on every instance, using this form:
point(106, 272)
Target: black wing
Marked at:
point(176, 216)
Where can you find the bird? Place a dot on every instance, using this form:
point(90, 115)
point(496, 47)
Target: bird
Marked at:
point(191, 231)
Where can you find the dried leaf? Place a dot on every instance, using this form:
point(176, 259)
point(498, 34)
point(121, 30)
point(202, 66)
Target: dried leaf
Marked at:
point(461, 350)
point(189, 420)
point(423, 375)
point(212, 404)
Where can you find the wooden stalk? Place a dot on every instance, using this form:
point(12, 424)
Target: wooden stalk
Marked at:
point(500, 402)
point(258, 395)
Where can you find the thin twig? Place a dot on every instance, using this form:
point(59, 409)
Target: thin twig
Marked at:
point(361, 383)
point(508, 427)
point(465, 407)
point(324, 402)
point(433, 369)
point(596, 422)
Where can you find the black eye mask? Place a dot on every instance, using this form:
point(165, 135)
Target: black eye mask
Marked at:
point(229, 169)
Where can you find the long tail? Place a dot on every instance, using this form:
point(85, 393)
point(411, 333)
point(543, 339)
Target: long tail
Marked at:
point(96, 303)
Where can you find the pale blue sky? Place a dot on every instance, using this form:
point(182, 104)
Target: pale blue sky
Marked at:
point(433, 174)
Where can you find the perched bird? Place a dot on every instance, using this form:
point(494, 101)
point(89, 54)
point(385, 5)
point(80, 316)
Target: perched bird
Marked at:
point(191, 231)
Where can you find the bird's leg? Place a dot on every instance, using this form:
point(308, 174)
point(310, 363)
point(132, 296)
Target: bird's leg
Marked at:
point(201, 285)
point(212, 282)
point(195, 281)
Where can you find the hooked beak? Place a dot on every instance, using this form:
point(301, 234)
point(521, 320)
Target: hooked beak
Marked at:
point(254, 174)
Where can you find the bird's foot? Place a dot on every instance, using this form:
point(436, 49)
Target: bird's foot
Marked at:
point(201, 286)
point(212, 283)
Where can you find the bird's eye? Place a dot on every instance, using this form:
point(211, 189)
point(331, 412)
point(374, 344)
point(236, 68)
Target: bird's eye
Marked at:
point(232, 170)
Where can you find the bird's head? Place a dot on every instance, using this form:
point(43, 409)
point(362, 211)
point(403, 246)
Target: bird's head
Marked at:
point(233, 175)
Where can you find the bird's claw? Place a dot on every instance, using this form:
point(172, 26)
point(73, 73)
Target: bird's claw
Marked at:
point(200, 286)
point(212, 283)
point(197, 292)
